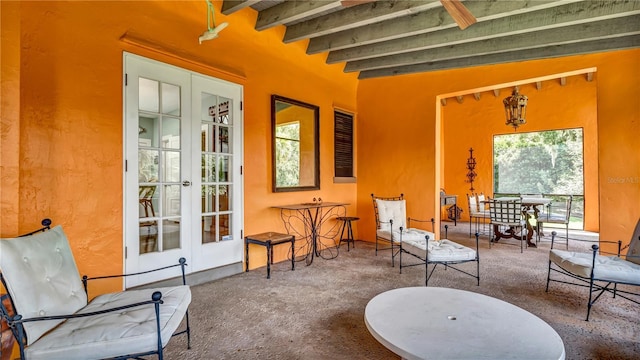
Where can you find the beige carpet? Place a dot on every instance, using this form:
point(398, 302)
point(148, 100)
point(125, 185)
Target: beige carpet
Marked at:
point(316, 311)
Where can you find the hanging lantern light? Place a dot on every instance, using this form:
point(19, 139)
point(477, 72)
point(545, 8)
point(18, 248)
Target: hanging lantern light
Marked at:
point(515, 107)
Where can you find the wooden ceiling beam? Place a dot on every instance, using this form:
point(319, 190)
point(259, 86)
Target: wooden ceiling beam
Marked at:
point(620, 43)
point(606, 29)
point(423, 22)
point(292, 11)
point(575, 13)
point(356, 17)
point(231, 6)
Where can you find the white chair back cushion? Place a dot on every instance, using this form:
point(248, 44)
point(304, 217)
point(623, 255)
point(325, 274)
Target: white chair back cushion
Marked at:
point(633, 254)
point(42, 278)
point(395, 210)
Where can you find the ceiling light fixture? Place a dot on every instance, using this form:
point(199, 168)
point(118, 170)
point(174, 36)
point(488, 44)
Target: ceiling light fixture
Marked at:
point(212, 30)
point(515, 107)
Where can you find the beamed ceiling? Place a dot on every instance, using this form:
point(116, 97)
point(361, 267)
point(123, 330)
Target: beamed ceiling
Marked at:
point(386, 38)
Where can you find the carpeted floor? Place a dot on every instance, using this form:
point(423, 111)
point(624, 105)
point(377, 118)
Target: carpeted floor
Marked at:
point(317, 311)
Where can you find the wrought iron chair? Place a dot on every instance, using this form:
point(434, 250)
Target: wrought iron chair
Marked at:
point(391, 216)
point(481, 212)
point(556, 212)
point(506, 214)
point(600, 272)
point(52, 317)
point(438, 252)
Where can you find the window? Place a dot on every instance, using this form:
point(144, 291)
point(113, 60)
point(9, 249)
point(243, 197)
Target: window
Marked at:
point(545, 162)
point(343, 145)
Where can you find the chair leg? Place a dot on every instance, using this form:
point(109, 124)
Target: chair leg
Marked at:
point(344, 222)
point(548, 277)
point(590, 296)
point(350, 237)
point(567, 233)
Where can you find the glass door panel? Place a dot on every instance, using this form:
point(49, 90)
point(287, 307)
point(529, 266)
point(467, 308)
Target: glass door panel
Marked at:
point(215, 130)
point(159, 165)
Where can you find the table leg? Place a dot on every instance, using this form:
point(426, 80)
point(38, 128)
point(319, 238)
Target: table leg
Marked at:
point(269, 259)
point(293, 245)
point(246, 254)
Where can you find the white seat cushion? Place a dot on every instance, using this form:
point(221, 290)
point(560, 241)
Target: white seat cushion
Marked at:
point(607, 268)
point(120, 332)
point(442, 250)
point(407, 234)
point(447, 250)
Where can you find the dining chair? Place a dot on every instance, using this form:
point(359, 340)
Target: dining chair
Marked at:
point(477, 211)
point(507, 213)
point(557, 212)
point(483, 210)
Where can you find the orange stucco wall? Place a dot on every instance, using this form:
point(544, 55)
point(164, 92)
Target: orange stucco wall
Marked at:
point(473, 123)
point(64, 84)
point(62, 119)
point(404, 142)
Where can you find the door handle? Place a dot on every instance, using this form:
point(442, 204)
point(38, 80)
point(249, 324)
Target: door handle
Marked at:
point(186, 183)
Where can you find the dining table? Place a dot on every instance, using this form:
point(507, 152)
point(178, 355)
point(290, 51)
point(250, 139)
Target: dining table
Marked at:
point(310, 222)
point(530, 210)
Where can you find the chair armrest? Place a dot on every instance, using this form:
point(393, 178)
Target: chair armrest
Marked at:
point(410, 219)
point(596, 243)
point(156, 298)
point(182, 262)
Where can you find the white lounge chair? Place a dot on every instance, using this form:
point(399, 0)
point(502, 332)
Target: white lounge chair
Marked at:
point(600, 273)
point(53, 319)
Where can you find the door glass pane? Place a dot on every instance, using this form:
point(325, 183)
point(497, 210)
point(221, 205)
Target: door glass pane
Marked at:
point(148, 165)
point(170, 234)
point(224, 135)
point(224, 197)
point(148, 225)
point(209, 233)
point(171, 206)
point(171, 133)
point(224, 163)
point(208, 140)
point(148, 130)
point(148, 95)
point(224, 116)
point(208, 168)
point(225, 227)
point(170, 99)
point(171, 166)
point(208, 198)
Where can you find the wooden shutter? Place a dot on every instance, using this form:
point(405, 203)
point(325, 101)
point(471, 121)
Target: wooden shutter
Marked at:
point(343, 144)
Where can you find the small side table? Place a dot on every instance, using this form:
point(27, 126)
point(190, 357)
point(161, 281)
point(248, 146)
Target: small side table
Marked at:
point(346, 225)
point(268, 240)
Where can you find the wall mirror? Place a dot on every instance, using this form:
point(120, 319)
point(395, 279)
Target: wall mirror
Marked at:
point(295, 145)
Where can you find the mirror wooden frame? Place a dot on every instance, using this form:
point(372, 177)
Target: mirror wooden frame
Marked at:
point(311, 123)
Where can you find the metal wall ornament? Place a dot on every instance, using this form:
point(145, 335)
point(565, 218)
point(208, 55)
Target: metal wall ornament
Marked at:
point(471, 166)
point(515, 107)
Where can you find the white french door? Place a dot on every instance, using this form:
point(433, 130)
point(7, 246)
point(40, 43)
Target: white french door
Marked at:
point(183, 184)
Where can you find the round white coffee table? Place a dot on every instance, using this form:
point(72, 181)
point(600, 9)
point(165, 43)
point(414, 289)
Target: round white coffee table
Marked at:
point(442, 323)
